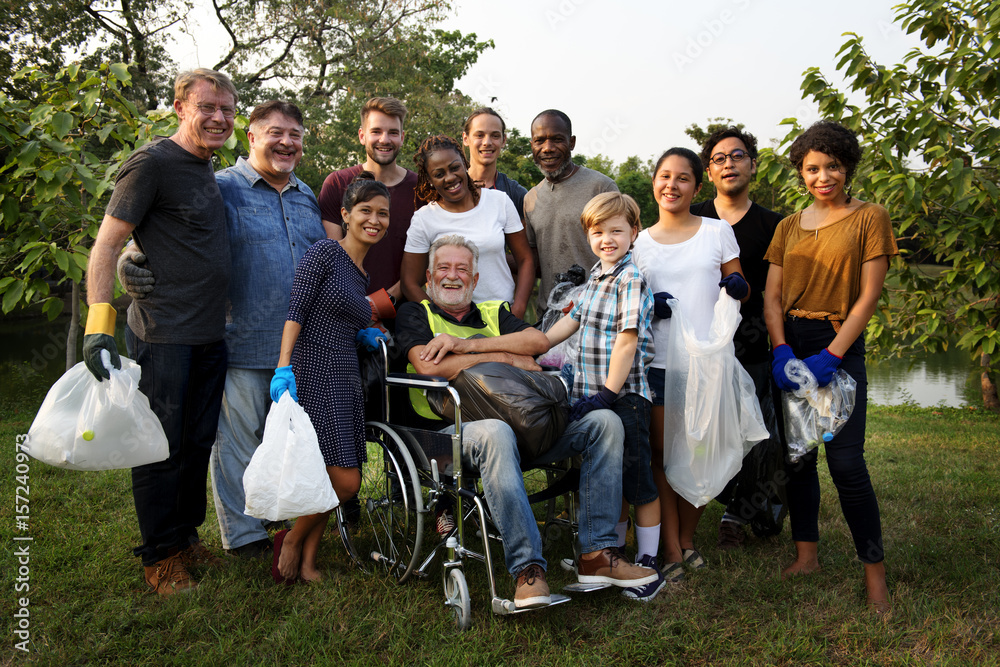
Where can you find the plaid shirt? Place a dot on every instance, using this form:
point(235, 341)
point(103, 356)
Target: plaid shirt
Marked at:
point(611, 303)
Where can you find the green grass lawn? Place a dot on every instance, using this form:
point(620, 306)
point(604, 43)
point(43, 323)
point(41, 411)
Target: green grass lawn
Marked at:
point(935, 471)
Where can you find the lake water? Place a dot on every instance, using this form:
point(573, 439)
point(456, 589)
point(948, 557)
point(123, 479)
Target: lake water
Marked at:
point(32, 357)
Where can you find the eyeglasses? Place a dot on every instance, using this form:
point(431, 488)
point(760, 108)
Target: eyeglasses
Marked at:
point(210, 109)
point(737, 156)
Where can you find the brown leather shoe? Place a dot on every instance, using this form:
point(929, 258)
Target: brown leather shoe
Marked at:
point(731, 536)
point(169, 576)
point(532, 590)
point(611, 567)
point(198, 555)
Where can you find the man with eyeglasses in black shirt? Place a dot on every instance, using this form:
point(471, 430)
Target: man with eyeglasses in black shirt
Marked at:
point(730, 158)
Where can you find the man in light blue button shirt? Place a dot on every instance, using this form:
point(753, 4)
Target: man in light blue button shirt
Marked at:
point(272, 218)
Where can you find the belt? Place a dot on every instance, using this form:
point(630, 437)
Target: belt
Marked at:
point(821, 315)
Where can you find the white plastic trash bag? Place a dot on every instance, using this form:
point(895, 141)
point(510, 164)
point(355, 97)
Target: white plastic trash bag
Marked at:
point(286, 477)
point(86, 424)
point(814, 414)
point(563, 355)
point(711, 415)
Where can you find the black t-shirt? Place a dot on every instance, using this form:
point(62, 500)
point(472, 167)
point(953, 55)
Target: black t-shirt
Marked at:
point(753, 234)
point(413, 329)
point(171, 197)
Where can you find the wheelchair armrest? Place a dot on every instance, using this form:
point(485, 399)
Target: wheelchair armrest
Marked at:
point(417, 380)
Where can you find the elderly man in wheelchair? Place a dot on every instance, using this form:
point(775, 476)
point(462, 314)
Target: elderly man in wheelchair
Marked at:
point(449, 333)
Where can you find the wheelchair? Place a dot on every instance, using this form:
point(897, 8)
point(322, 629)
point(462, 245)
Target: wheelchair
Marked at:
point(411, 470)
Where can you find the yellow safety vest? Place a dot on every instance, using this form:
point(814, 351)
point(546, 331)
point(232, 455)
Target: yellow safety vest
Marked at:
point(490, 312)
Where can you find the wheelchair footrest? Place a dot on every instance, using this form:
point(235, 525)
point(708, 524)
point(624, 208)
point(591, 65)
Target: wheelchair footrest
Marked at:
point(577, 587)
point(504, 607)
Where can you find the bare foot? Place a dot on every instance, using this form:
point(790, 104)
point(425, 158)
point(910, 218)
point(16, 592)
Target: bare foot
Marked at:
point(288, 559)
point(311, 574)
point(878, 592)
point(800, 567)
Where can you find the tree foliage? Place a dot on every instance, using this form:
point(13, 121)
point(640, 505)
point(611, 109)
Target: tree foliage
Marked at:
point(930, 127)
point(60, 151)
point(47, 34)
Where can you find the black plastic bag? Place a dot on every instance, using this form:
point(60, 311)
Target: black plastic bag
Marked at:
point(757, 492)
point(533, 404)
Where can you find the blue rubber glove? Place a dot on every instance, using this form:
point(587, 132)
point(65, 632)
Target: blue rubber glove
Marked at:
point(369, 338)
point(602, 400)
point(736, 286)
point(660, 307)
point(823, 366)
point(782, 355)
point(283, 380)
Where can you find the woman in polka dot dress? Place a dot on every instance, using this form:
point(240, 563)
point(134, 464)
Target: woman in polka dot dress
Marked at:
point(319, 363)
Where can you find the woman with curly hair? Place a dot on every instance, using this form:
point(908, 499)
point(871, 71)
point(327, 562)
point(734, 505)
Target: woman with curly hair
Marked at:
point(456, 205)
point(828, 265)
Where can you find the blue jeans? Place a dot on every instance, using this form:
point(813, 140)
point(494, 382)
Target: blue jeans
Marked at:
point(845, 454)
point(245, 403)
point(490, 447)
point(184, 386)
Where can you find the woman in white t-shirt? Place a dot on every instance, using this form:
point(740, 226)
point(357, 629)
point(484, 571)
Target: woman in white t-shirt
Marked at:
point(689, 258)
point(458, 206)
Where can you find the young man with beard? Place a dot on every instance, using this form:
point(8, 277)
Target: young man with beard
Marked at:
point(730, 157)
point(381, 133)
point(552, 208)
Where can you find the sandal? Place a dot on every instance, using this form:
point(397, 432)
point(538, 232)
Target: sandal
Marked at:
point(694, 560)
point(673, 573)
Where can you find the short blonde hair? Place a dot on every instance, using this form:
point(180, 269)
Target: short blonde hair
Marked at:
point(219, 81)
point(390, 106)
point(609, 205)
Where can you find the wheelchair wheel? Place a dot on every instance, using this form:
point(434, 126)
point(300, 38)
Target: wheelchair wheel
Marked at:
point(456, 596)
point(389, 529)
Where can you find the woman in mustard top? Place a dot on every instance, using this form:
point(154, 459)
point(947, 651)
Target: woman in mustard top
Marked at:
point(828, 265)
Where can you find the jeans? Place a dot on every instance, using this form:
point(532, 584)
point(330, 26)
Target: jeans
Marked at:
point(184, 386)
point(638, 486)
point(845, 454)
point(245, 403)
point(490, 447)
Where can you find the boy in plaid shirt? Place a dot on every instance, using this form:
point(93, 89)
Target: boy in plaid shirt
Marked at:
point(613, 317)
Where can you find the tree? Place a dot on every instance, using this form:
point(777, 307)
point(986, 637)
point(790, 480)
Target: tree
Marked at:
point(40, 32)
point(60, 151)
point(931, 127)
point(634, 178)
point(327, 56)
point(516, 160)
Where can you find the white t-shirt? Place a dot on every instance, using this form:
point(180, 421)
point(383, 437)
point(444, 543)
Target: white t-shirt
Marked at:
point(690, 271)
point(485, 225)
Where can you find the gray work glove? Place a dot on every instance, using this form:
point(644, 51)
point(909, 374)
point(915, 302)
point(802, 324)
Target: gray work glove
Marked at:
point(137, 280)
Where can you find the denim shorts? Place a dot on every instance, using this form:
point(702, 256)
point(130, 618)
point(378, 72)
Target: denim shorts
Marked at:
point(657, 379)
point(638, 486)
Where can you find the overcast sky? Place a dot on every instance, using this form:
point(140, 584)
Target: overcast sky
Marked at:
point(633, 74)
